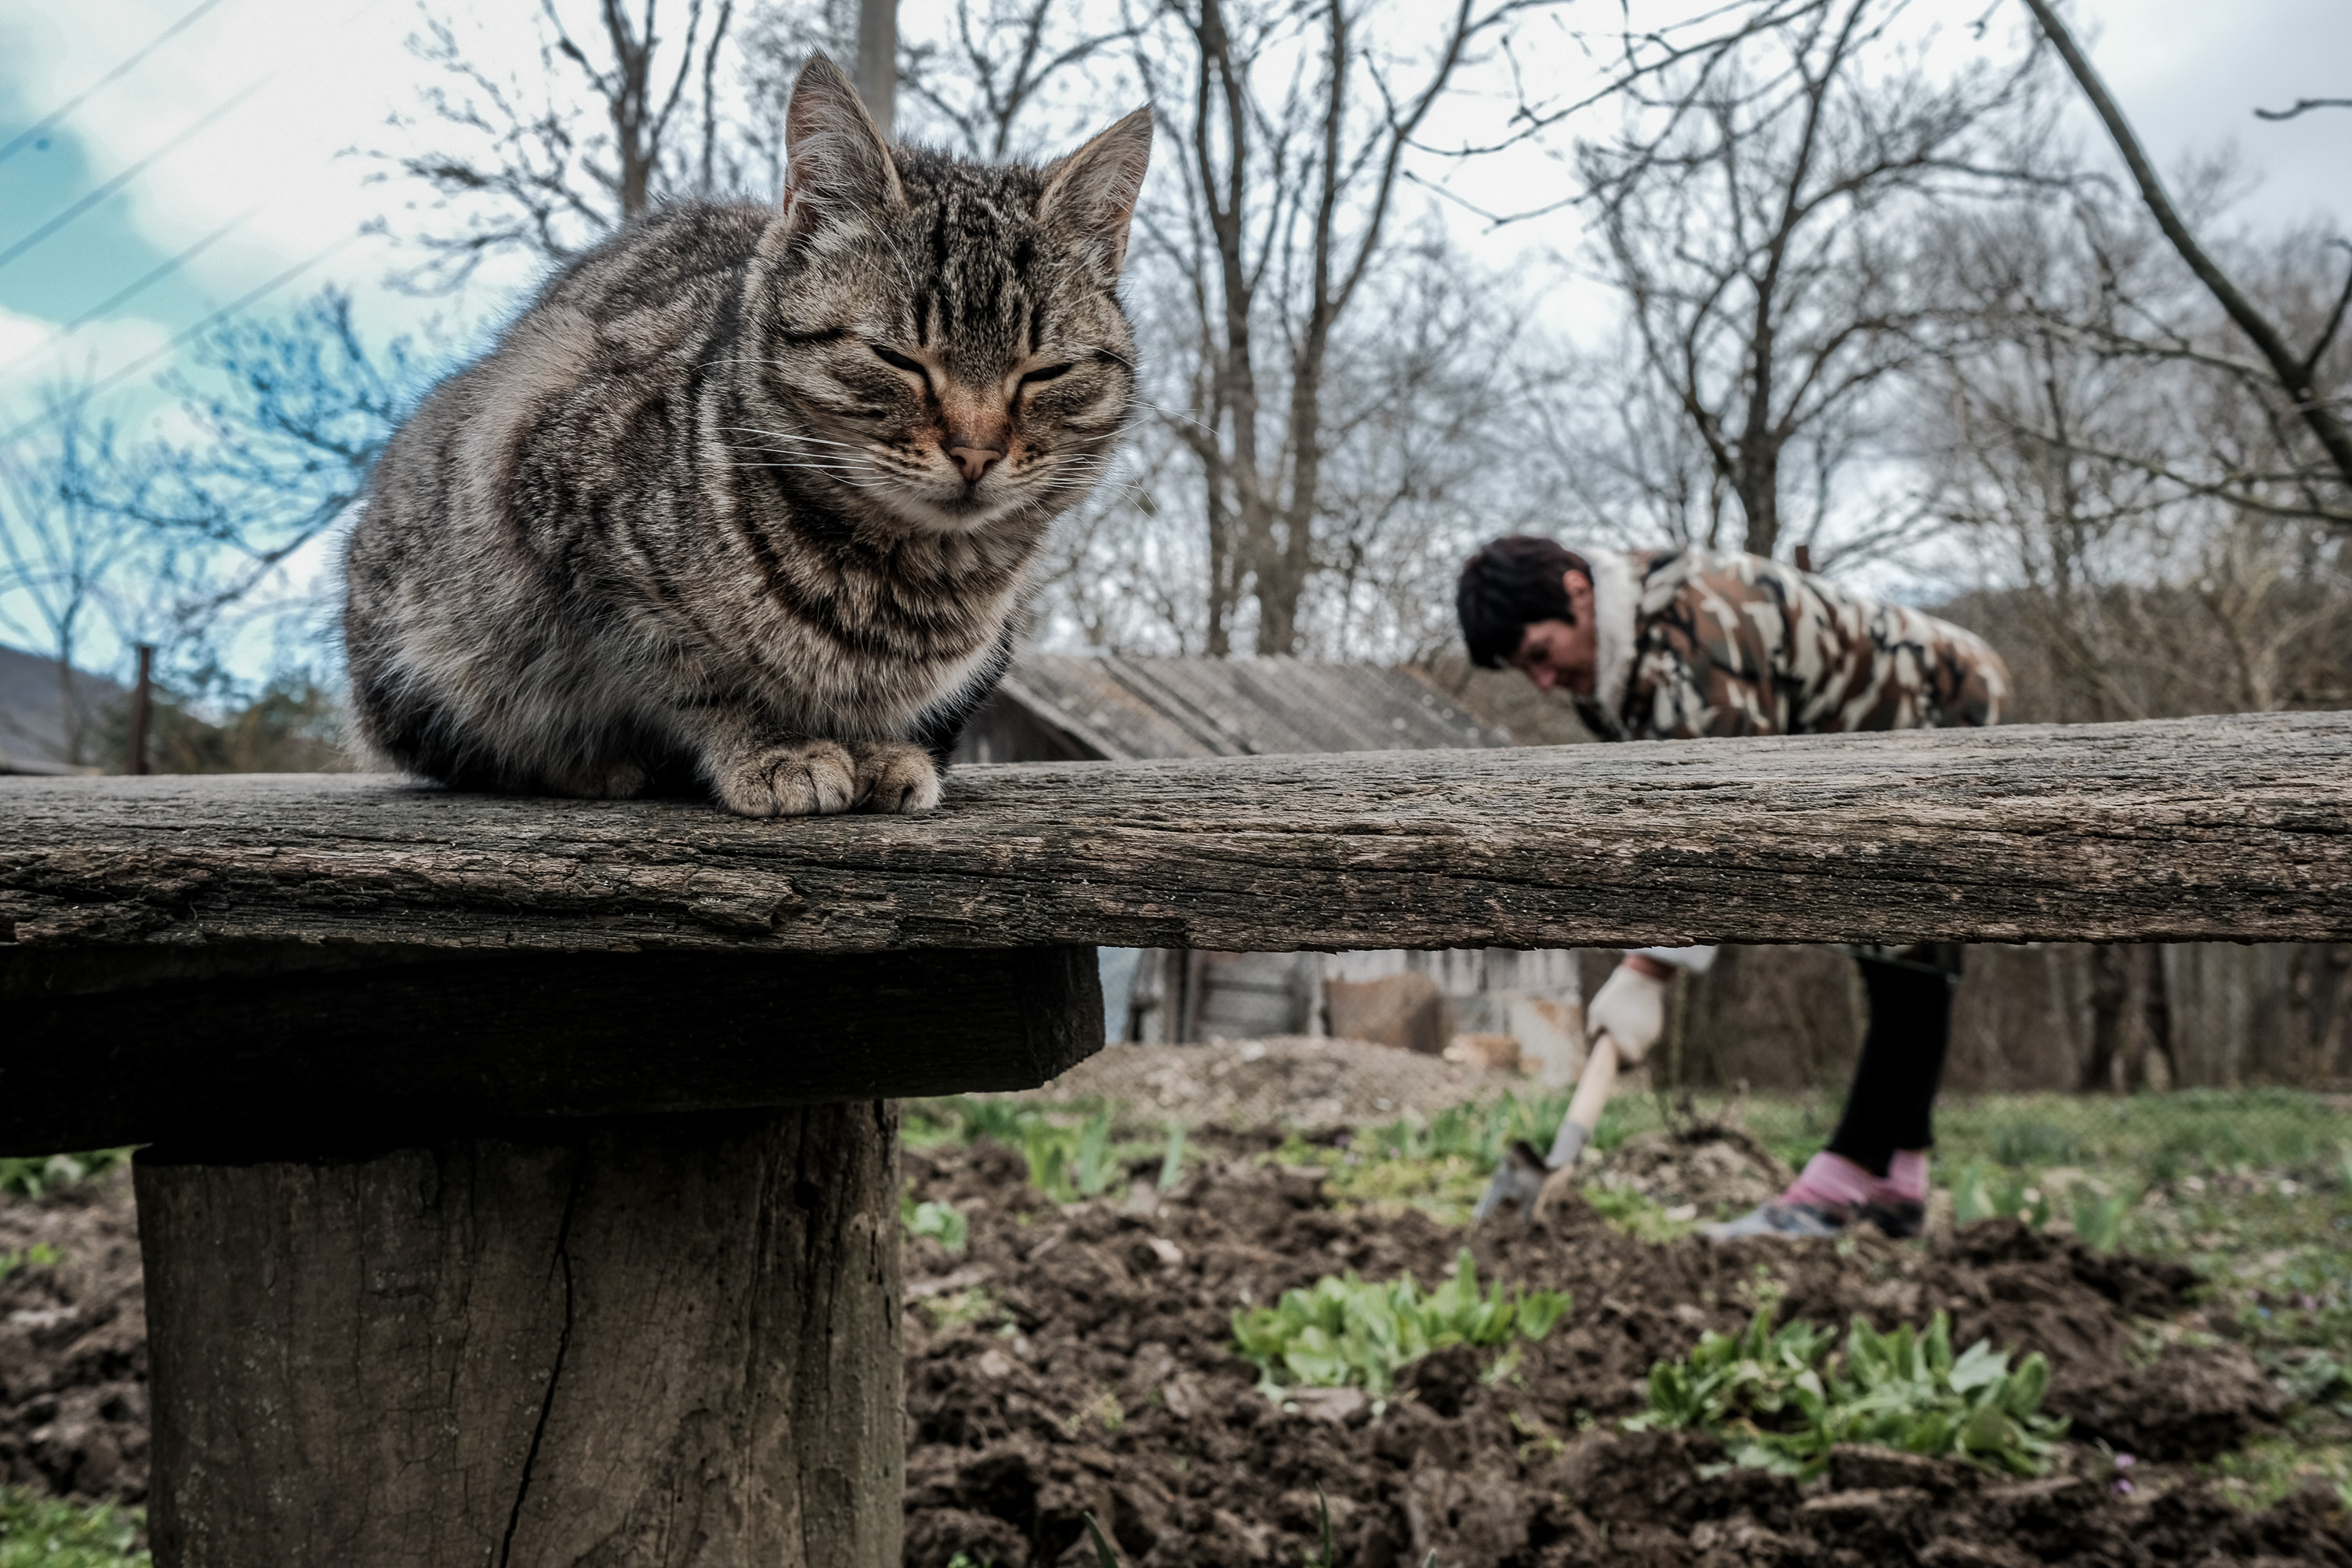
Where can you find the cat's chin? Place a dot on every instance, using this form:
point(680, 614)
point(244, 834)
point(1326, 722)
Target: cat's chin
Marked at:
point(948, 520)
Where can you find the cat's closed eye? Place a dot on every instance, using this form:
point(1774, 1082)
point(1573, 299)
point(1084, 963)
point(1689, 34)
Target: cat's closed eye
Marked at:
point(898, 361)
point(1048, 374)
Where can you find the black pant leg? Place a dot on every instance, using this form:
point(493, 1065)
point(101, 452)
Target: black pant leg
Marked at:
point(1893, 1101)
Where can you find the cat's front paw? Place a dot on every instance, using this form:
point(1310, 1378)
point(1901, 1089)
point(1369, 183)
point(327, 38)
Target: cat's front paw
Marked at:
point(809, 778)
point(896, 778)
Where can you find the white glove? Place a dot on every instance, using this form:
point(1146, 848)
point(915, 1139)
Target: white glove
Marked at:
point(1630, 1009)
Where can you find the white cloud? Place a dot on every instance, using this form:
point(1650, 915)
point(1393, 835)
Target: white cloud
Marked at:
point(37, 356)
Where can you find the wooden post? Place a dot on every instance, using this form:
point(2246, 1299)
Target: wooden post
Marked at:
point(141, 695)
point(660, 1340)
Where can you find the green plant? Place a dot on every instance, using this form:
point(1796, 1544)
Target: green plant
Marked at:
point(1344, 1332)
point(41, 1533)
point(1171, 1158)
point(974, 1306)
point(1781, 1400)
point(40, 1255)
point(1643, 1218)
point(28, 1176)
point(1070, 1164)
point(1969, 1203)
point(2033, 1142)
point(2099, 1216)
point(1978, 1194)
point(943, 1223)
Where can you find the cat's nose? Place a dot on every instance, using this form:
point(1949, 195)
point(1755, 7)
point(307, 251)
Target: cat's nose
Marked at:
point(974, 461)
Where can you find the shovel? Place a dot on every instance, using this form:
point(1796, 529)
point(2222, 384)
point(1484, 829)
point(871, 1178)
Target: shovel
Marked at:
point(1520, 1179)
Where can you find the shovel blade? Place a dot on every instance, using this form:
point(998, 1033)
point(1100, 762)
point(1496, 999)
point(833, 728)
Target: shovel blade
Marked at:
point(1517, 1181)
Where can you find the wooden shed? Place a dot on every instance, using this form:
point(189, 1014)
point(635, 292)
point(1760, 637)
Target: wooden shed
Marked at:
point(1116, 708)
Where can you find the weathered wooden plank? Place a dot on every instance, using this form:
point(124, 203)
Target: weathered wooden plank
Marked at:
point(663, 1341)
point(364, 1046)
point(2179, 830)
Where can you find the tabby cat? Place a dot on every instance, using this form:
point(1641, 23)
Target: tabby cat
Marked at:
point(747, 497)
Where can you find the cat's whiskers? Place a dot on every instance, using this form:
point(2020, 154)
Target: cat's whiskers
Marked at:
point(793, 436)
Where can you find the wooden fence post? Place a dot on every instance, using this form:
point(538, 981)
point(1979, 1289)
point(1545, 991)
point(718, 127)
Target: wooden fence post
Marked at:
point(659, 1340)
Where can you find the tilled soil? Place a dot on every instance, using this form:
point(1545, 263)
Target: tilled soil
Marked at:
point(1107, 1386)
point(1290, 1079)
point(1069, 1362)
point(73, 1345)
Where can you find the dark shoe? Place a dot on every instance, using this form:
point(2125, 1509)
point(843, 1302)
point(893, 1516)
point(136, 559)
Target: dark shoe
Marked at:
point(1791, 1222)
point(1901, 1218)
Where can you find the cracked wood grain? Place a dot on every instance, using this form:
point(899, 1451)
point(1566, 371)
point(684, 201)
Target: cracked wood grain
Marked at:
point(2179, 830)
point(667, 1343)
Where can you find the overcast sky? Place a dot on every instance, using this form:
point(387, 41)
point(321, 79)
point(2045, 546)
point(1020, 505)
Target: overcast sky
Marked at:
point(237, 137)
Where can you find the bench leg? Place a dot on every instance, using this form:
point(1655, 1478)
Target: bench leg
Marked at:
point(659, 1341)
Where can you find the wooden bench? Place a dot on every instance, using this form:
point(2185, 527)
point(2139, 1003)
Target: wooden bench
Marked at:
point(520, 1181)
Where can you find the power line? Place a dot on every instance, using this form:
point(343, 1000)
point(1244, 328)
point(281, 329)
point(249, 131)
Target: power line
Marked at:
point(159, 274)
point(80, 399)
point(25, 138)
point(124, 178)
point(155, 275)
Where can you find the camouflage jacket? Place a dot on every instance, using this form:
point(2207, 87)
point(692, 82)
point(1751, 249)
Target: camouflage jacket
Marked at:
point(1700, 643)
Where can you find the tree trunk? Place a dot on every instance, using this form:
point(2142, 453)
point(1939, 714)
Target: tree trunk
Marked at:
point(657, 1340)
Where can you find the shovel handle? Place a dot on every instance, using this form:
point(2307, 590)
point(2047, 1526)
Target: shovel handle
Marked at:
point(1593, 1088)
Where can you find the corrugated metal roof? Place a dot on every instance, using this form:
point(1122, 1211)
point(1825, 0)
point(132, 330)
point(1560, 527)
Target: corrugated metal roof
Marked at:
point(1129, 709)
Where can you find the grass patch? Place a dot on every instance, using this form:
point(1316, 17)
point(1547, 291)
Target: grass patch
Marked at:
point(42, 1533)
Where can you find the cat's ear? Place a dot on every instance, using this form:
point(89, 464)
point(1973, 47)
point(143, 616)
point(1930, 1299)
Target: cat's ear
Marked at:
point(836, 165)
point(1090, 194)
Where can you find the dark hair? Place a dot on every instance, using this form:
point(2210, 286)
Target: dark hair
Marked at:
point(1507, 586)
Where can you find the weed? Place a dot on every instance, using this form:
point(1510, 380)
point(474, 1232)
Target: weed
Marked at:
point(1344, 1332)
point(1330, 1556)
point(1781, 1400)
point(1642, 1218)
point(41, 1533)
point(943, 1223)
point(1171, 1158)
point(2033, 1142)
point(1070, 1164)
point(2099, 1216)
point(2269, 1468)
point(1106, 1412)
point(1978, 1194)
point(28, 1176)
point(40, 1255)
point(957, 1309)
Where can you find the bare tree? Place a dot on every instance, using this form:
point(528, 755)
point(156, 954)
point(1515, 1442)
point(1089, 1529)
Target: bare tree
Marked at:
point(292, 415)
point(619, 113)
point(1000, 81)
point(1761, 212)
point(2289, 371)
point(1294, 128)
point(63, 562)
point(2146, 535)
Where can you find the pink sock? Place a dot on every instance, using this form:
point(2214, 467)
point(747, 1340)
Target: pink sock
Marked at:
point(1833, 1182)
point(1907, 1173)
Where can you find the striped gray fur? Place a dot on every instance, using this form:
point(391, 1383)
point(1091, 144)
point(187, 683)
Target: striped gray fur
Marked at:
point(747, 498)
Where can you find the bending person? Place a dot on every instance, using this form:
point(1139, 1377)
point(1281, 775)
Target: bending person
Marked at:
point(1674, 644)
